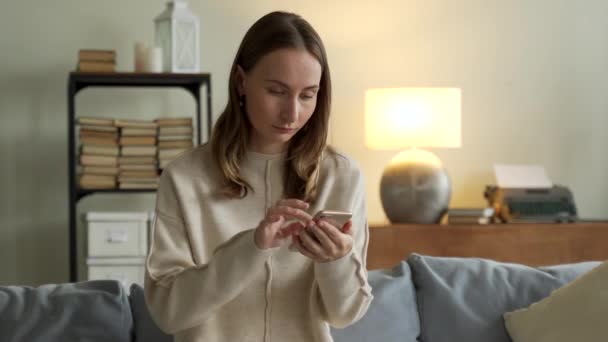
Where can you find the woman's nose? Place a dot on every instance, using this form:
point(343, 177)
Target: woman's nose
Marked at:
point(291, 110)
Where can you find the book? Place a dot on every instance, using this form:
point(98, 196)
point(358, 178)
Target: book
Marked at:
point(138, 174)
point(135, 160)
point(91, 160)
point(138, 167)
point(137, 140)
point(99, 150)
point(470, 215)
point(186, 121)
point(469, 220)
point(88, 181)
point(175, 137)
point(98, 128)
point(135, 123)
point(85, 66)
point(95, 121)
point(174, 144)
point(471, 212)
point(171, 153)
point(122, 179)
point(135, 185)
point(138, 151)
point(98, 134)
point(84, 140)
point(130, 131)
point(96, 55)
point(100, 170)
point(175, 130)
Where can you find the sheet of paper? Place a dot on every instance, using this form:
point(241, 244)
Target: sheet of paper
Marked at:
point(521, 176)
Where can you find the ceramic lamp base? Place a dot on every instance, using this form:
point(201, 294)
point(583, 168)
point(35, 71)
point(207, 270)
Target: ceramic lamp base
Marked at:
point(415, 188)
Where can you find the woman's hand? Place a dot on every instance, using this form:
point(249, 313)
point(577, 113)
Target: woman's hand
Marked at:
point(271, 232)
point(323, 241)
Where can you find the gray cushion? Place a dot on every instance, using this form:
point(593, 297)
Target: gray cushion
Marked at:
point(392, 315)
point(463, 299)
point(145, 328)
point(87, 311)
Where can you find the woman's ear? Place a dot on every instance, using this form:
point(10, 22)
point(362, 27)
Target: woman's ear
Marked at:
point(240, 79)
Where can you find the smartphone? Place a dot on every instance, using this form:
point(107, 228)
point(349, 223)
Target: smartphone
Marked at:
point(340, 217)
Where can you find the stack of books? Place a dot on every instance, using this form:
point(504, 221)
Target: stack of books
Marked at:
point(96, 60)
point(137, 164)
point(470, 215)
point(174, 138)
point(129, 154)
point(98, 153)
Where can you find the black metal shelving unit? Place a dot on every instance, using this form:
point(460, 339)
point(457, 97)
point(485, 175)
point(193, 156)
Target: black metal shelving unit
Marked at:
point(78, 81)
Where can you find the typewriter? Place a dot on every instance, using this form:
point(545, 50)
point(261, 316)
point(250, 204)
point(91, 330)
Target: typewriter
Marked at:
point(535, 205)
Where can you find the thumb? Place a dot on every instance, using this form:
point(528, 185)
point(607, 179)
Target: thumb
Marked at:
point(274, 218)
point(347, 228)
point(293, 228)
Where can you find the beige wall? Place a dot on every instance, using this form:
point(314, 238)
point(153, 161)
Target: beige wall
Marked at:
point(532, 74)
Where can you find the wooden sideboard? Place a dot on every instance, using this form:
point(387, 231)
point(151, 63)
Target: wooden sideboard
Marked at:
point(530, 244)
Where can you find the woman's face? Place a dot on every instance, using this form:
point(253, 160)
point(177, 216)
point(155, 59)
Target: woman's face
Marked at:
point(280, 96)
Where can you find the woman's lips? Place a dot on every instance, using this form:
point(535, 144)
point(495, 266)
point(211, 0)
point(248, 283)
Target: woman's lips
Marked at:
point(284, 129)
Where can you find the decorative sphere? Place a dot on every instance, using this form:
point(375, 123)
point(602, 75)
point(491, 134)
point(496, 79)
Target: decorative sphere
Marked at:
point(415, 188)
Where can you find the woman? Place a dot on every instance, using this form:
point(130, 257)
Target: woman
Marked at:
point(235, 254)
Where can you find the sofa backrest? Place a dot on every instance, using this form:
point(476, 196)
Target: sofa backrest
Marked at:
point(145, 330)
point(437, 299)
point(434, 299)
point(392, 315)
point(95, 310)
point(463, 299)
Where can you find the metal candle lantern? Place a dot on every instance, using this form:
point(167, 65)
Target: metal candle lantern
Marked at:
point(177, 34)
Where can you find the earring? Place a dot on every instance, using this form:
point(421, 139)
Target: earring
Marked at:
point(241, 100)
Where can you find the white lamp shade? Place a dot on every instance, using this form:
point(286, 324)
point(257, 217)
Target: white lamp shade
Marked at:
point(397, 118)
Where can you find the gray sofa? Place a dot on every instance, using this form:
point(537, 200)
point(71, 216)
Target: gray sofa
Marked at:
point(423, 298)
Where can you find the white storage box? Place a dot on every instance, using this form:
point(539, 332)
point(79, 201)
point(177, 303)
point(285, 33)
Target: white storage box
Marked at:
point(125, 270)
point(117, 234)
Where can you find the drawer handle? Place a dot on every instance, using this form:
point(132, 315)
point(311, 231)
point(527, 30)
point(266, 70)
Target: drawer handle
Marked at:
point(118, 237)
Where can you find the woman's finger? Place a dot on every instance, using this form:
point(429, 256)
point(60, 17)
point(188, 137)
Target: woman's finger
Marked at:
point(290, 229)
point(331, 231)
point(291, 212)
point(324, 240)
point(309, 242)
point(348, 228)
point(299, 246)
point(293, 202)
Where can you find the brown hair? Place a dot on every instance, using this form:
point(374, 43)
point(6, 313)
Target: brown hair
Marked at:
point(276, 30)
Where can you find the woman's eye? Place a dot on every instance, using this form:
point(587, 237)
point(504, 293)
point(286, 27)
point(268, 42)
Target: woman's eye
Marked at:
point(307, 96)
point(276, 91)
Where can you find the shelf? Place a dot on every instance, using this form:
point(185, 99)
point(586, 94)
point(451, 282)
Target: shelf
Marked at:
point(530, 244)
point(77, 81)
point(80, 193)
point(132, 79)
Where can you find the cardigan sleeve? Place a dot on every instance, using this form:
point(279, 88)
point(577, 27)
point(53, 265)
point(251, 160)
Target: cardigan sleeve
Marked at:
point(345, 293)
point(180, 293)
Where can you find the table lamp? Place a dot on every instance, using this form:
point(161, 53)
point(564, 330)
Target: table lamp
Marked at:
point(415, 187)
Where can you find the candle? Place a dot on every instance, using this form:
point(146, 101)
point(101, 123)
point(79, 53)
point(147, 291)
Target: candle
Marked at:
point(154, 59)
point(140, 57)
